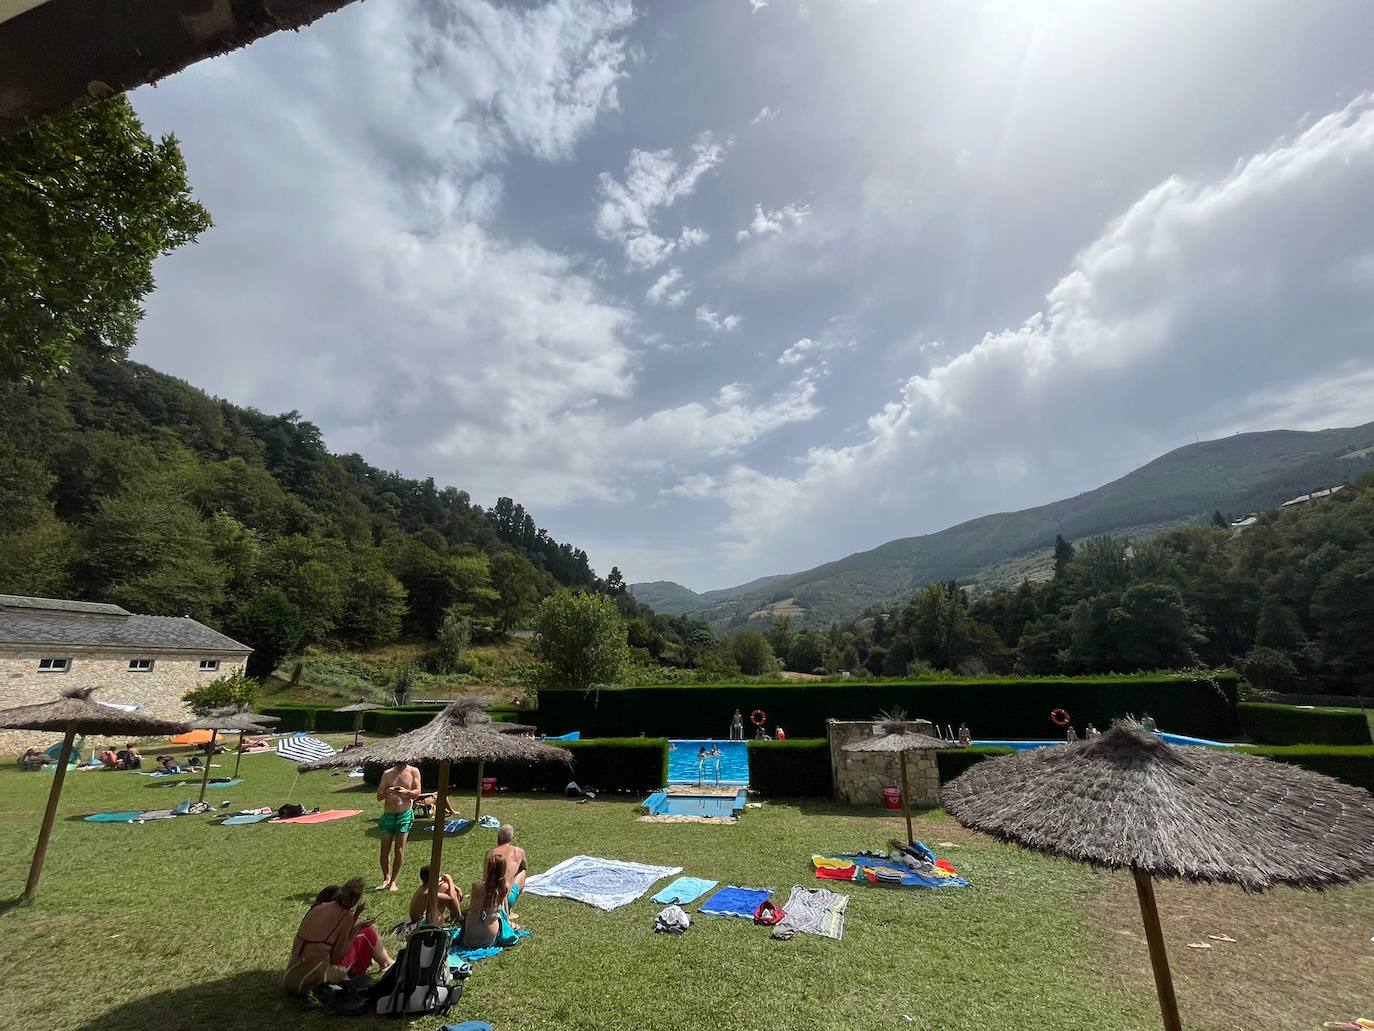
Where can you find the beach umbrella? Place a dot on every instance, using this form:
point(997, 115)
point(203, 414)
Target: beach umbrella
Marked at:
point(75, 713)
point(513, 728)
point(302, 748)
point(1129, 801)
point(358, 708)
point(228, 721)
point(257, 719)
point(461, 733)
point(899, 739)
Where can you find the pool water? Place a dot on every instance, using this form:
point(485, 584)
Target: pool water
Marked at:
point(660, 803)
point(1173, 739)
point(683, 768)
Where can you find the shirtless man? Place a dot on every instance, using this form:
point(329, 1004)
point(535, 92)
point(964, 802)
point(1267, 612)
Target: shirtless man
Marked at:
point(514, 857)
point(398, 790)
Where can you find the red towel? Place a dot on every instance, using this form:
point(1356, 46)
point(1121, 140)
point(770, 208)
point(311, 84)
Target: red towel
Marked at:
point(836, 873)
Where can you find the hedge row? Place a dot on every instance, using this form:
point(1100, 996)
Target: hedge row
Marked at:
point(1353, 764)
point(991, 708)
point(607, 764)
point(1268, 724)
point(800, 767)
point(395, 720)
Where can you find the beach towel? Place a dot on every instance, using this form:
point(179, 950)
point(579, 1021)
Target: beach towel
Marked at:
point(120, 817)
point(684, 890)
point(245, 818)
point(604, 883)
point(816, 911)
point(324, 817)
point(490, 822)
point(302, 748)
point(735, 901)
point(459, 954)
point(872, 870)
point(156, 814)
point(457, 825)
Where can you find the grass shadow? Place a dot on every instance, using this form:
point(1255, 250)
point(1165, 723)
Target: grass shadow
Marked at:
point(250, 999)
point(13, 903)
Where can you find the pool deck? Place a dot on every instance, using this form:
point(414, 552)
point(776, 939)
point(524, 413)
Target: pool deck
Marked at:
point(724, 791)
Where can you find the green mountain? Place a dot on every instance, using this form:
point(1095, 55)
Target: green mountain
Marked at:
point(667, 597)
point(1235, 475)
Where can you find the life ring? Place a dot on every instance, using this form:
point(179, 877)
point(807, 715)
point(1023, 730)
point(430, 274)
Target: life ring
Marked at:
point(758, 717)
point(1059, 717)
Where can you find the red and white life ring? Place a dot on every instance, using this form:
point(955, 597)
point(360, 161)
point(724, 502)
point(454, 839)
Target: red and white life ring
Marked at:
point(1060, 718)
point(758, 717)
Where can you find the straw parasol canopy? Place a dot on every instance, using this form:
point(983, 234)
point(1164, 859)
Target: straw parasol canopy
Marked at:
point(898, 738)
point(513, 728)
point(463, 732)
point(74, 712)
point(228, 720)
point(1129, 801)
point(358, 708)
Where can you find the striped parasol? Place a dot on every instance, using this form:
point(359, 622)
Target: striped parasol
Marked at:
point(302, 748)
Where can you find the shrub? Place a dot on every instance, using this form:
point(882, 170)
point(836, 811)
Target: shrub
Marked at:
point(796, 768)
point(954, 761)
point(1353, 764)
point(293, 717)
point(993, 708)
point(1269, 724)
point(236, 689)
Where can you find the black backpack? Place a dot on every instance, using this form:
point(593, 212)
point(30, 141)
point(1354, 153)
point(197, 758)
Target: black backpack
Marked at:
point(419, 981)
point(289, 810)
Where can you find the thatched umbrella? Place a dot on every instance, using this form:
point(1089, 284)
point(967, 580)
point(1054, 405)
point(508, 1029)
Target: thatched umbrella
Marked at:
point(897, 738)
point(461, 733)
point(252, 721)
point(1129, 801)
point(74, 713)
point(358, 708)
point(513, 728)
point(222, 720)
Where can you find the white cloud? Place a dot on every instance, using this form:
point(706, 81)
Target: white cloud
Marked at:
point(1175, 323)
point(665, 289)
point(766, 114)
point(717, 321)
point(755, 6)
point(654, 180)
point(771, 223)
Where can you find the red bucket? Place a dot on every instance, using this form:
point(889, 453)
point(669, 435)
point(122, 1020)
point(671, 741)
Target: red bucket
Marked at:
point(488, 785)
point(892, 798)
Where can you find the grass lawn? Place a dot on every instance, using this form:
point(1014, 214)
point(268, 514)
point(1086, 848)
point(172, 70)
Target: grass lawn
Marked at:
point(186, 924)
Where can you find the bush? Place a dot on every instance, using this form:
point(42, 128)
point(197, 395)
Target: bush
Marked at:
point(993, 708)
point(236, 689)
point(1353, 764)
point(796, 768)
point(954, 761)
point(608, 764)
point(1268, 724)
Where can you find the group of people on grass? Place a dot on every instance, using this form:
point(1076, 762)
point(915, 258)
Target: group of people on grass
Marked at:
point(334, 942)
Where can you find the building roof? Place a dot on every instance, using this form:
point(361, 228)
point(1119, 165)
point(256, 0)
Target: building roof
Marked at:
point(33, 622)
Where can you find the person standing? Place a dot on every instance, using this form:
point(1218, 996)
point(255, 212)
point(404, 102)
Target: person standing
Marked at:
point(737, 727)
point(398, 790)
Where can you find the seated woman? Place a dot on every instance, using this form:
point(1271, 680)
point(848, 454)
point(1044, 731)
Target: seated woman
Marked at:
point(333, 943)
point(450, 898)
point(33, 759)
point(128, 757)
point(488, 917)
point(109, 759)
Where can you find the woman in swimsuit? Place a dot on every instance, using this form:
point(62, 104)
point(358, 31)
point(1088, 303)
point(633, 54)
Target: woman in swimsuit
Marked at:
point(488, 917)
point(332, 944)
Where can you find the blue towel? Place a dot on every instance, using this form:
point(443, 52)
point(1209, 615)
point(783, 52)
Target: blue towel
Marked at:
point(114, 817)
point(906, 877)
point(506, 937)
point(468, 1025)
point(454, 826)
point(684, 890)
point(733, 901)
point(246, 818)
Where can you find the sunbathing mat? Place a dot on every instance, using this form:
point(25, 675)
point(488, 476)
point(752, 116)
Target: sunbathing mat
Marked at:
point(735, 901)
point(245, 818)
point(684, 890)
point(604, 883)
point(324, 817)
point(816, 911)
point(122, 817)
point(874, 870)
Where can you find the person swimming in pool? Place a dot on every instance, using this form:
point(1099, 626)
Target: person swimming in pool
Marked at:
point(397, 791)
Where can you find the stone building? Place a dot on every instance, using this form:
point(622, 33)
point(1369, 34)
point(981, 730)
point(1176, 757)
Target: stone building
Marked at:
point(48, 646)
point(859, 777)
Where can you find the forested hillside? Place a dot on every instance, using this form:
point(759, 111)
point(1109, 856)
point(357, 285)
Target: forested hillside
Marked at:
point(121, 484)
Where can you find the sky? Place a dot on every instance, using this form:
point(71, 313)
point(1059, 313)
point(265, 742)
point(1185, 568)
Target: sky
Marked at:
point(724, 289)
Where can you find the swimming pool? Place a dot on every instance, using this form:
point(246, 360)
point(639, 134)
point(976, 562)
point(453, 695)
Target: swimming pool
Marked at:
point(661, 803)
point(1173, 739)
point(682, 762)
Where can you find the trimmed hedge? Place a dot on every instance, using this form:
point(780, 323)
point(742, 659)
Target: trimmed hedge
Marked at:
point(395, 720)
point(1353, 764)
point(796, 768)
point(954, 761)
point(607, 764)
point(1268, 724)
point(1005, 708)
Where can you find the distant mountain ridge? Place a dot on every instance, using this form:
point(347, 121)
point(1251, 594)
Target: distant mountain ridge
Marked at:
point(1238, 474)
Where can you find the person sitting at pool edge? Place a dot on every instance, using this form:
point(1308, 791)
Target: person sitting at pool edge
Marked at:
point(333, 942)
point(514, 858)
point(398, 790)
point(488, 916)
point(449, 898)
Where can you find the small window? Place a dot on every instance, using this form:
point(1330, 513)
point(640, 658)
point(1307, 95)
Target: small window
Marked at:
point(209, 665)
point(54, 665)
point(140, 665)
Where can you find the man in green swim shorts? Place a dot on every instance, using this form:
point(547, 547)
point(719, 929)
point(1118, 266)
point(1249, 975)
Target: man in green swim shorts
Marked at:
point(397, 791)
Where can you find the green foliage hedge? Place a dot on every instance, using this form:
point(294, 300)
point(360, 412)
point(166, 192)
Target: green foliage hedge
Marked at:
point(1001, 708)
point(1268, 724)
point(323, 719)
point(607, 764)
point(1353, 764)
point(798, 768)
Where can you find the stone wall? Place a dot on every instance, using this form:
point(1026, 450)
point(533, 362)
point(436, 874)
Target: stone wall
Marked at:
point(859, 777)
point(158, 690)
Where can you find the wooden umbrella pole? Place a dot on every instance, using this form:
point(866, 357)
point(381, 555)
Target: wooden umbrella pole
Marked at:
point(1159, 958)
point(906, 801)
point(237, 760)
point(209, 754)
point(436, 849)
point(49, 814)
point(477, 806)
point(357, 726)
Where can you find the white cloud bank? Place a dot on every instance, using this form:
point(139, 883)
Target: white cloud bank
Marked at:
point(1174, 323)
point(771, 223)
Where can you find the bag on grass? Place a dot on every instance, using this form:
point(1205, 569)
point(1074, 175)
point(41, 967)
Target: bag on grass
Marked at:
point(351, 998)
point(289, 810)
point(419, 981)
